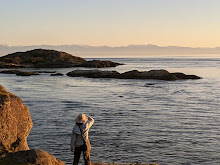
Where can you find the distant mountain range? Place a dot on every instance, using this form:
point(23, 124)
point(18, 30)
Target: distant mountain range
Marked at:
point(107, 51)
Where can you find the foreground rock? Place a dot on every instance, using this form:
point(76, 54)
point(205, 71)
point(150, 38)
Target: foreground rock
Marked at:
point(15, 126)
point(135, 74)
point(41, 58)
point(15, 123)
point(35, 156)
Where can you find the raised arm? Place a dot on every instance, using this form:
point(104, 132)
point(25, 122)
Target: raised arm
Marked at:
point(90, 122)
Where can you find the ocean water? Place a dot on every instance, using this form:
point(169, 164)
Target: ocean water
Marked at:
point(145, 121)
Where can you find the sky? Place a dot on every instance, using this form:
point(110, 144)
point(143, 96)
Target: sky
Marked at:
point(190, 23)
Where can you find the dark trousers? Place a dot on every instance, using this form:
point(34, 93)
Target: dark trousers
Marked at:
point(86, 155)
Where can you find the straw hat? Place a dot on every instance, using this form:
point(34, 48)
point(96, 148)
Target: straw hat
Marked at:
point(82, 118)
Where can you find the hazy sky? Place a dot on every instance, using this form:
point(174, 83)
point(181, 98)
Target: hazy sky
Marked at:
point(193, 23)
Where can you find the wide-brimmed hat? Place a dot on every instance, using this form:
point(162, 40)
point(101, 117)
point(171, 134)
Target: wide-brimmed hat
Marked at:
point(82, 118)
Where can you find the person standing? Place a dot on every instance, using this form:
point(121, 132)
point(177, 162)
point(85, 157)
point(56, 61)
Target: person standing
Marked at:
point(80, 140)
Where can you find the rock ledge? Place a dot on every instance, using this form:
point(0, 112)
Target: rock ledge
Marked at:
point(134, 74)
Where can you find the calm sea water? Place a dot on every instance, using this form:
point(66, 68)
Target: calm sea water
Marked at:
point(169, 122)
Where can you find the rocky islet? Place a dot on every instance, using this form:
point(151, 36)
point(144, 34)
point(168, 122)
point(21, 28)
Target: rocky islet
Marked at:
point(135, 74)
point(42, 58)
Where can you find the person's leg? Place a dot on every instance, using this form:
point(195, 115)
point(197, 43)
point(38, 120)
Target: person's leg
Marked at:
point(77, 153)
point(86, 156)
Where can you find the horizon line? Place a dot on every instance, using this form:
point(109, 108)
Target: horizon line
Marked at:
point(86, 45)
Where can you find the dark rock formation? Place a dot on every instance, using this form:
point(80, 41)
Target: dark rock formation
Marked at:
point(94, 74)
point(98, 64)
point(19, 73)
point(149, 84)
point(26, 73)
point(183, 76)
point(152, 74)
point(9, 71)
point(15, 123)
point(10, 65)
point(41, 58)
point(34, 156)
point(46, 71)
point(57, 74)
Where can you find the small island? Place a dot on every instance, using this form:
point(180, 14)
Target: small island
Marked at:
point(42, 58)
point(134, 74)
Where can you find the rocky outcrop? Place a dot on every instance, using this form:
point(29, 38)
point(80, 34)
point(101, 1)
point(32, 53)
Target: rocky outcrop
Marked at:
point(19, 73)
point(57, 74)
point(42, 58)
point(152, 74)
point(24, 73)
point(34, 156)
point(15, 123)
point(15, 126)
point(98, 64)
point(183, 76)
point(94, 74)
point(10, 65)
point(135, 74)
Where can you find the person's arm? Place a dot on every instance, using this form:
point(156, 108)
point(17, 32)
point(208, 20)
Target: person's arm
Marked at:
point(90, 121)
point(72, 142)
